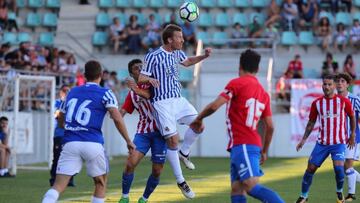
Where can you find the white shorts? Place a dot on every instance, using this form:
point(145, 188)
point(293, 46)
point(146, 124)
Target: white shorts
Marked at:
point(353, 153)
point(169, 112)
point(74, 153)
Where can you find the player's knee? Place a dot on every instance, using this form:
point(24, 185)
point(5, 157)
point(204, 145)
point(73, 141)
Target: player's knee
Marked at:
point(100, 182)
point(311, 168)
point(248, 184)
point(130, 167)
point(172, 142)
point(156, 171)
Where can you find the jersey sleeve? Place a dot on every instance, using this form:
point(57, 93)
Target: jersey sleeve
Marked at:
point(348, 107)
point(62, 107)
point(109, 100)
point(182, 56)
point(149, 63)
point(313, 112)
point(229, 91)
point(357, 105)
point(128, 105)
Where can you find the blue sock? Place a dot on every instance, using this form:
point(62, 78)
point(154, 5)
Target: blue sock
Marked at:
point(150, 186)
point(340, 176)
point(306, 183)
point(126, 182)
point(238, 199)
point(265, 194)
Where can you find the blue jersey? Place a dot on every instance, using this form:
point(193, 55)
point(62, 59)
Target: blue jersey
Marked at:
point(58, 132)
point(163, 66)
point(84, 109)
point(2, 137)
point(355, 103)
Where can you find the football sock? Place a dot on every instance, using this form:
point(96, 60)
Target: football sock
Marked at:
point(189, 138)
point(150, 186)
point(173, 158)
point(126, 183)
point(339, 175)
point(238, 199)
point(351, 176)
point(97, 200)
point(306, 183)
point(265, 194)
point(51, 196)
point(357, 175)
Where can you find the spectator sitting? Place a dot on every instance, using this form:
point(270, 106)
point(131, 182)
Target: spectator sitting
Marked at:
point(4, 49)
point(3, 15)
point(341, 37)
point(238, 32)
point(271, 32)
point(290, 15)
point(172, 21)
point(324, 32)
point(283, 86)
point(349, 66)
point(295, 66)
point(134, 40)
point(273, 13)
point(153, 30)
point(348, 4)
point(104, 79)
point(71, 64)
point(189, 35)
point(330, 66)
point(308, 11)
point(255, 30)
point(355, 34)
point(4, 148)
point(117, 33)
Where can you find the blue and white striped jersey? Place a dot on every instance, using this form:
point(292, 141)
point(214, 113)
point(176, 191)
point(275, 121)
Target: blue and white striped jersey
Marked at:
point(355, 103)
point(84, 111)
point(163, 66)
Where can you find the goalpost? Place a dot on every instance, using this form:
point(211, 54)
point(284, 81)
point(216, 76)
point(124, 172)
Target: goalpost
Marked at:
point(29, 103)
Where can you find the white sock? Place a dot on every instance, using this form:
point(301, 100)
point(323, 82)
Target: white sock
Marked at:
point(173, 158)
point(51, 196)
point(2, 172)
point(6, 170)
point(357, 176)
point(351, 176)
point(97, 200)
point(125, 195)
point(189, 138)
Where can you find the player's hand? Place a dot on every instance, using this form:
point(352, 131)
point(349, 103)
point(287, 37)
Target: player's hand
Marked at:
point(154, 82)
point(197, 126)
point(131, 146)
point(300, 145)
point(207, 52)
point(130, 83)
point(263, 157)
point(351, 141)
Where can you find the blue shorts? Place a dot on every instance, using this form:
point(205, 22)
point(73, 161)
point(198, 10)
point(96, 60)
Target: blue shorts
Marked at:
point(321, 152)
point(153, 140)
point(245, 162)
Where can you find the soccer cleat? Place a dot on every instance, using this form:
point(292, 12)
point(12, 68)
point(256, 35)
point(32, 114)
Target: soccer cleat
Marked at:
point(7, 175)
point(124, 200)
point(301, 200)
point(186, 160)
point(141, 200)
point(340, 197)
point(186, 190)
point(350, 198)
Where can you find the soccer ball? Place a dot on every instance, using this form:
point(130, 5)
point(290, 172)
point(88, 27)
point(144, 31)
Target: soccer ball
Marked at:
point(189, 11)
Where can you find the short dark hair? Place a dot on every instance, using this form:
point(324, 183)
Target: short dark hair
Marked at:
point(3, 118)
point(169, 32)
point(132, 63)
point(92, 70)
point(249, 61)
point(344, 76)
point(329, 77)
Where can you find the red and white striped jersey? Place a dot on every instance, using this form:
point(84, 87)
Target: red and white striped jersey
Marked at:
point(133, 101)
point(331, 113)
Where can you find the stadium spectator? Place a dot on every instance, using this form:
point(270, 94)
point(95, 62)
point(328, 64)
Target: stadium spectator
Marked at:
point(355, 34)
point(80, 78)
point(153, 29)
point(3, 15)
point(117, 33)
point(283, 86)
point(271, 32)
point(296, 67)
point(337, 4)
point(290, 15)
point(273, 13)
point(255, 30)
point(4, 148)
point(4, 49)
point(341, 37)
point(308, 12)
point(104, 78)
point(349, 66)
point(237, 33)
point(172, 21)
point(189, 35)
point(324, 32)
point(134, 40)
point(330, 66)
point(58, 135)
point(61, 62)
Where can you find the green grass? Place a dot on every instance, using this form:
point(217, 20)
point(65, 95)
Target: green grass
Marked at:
point(210, 181)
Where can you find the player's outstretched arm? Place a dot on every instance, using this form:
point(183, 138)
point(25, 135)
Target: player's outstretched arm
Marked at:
point(61, 121)
point(269, 131)
point(144, 93)
point(120, 125)
point(146, 79)
point(196, 59)
point(309, 127)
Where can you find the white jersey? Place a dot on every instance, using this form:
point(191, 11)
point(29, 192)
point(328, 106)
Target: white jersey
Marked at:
point(163, 66)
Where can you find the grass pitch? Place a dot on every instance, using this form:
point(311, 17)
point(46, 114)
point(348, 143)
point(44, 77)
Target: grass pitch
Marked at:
point(210, 181)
